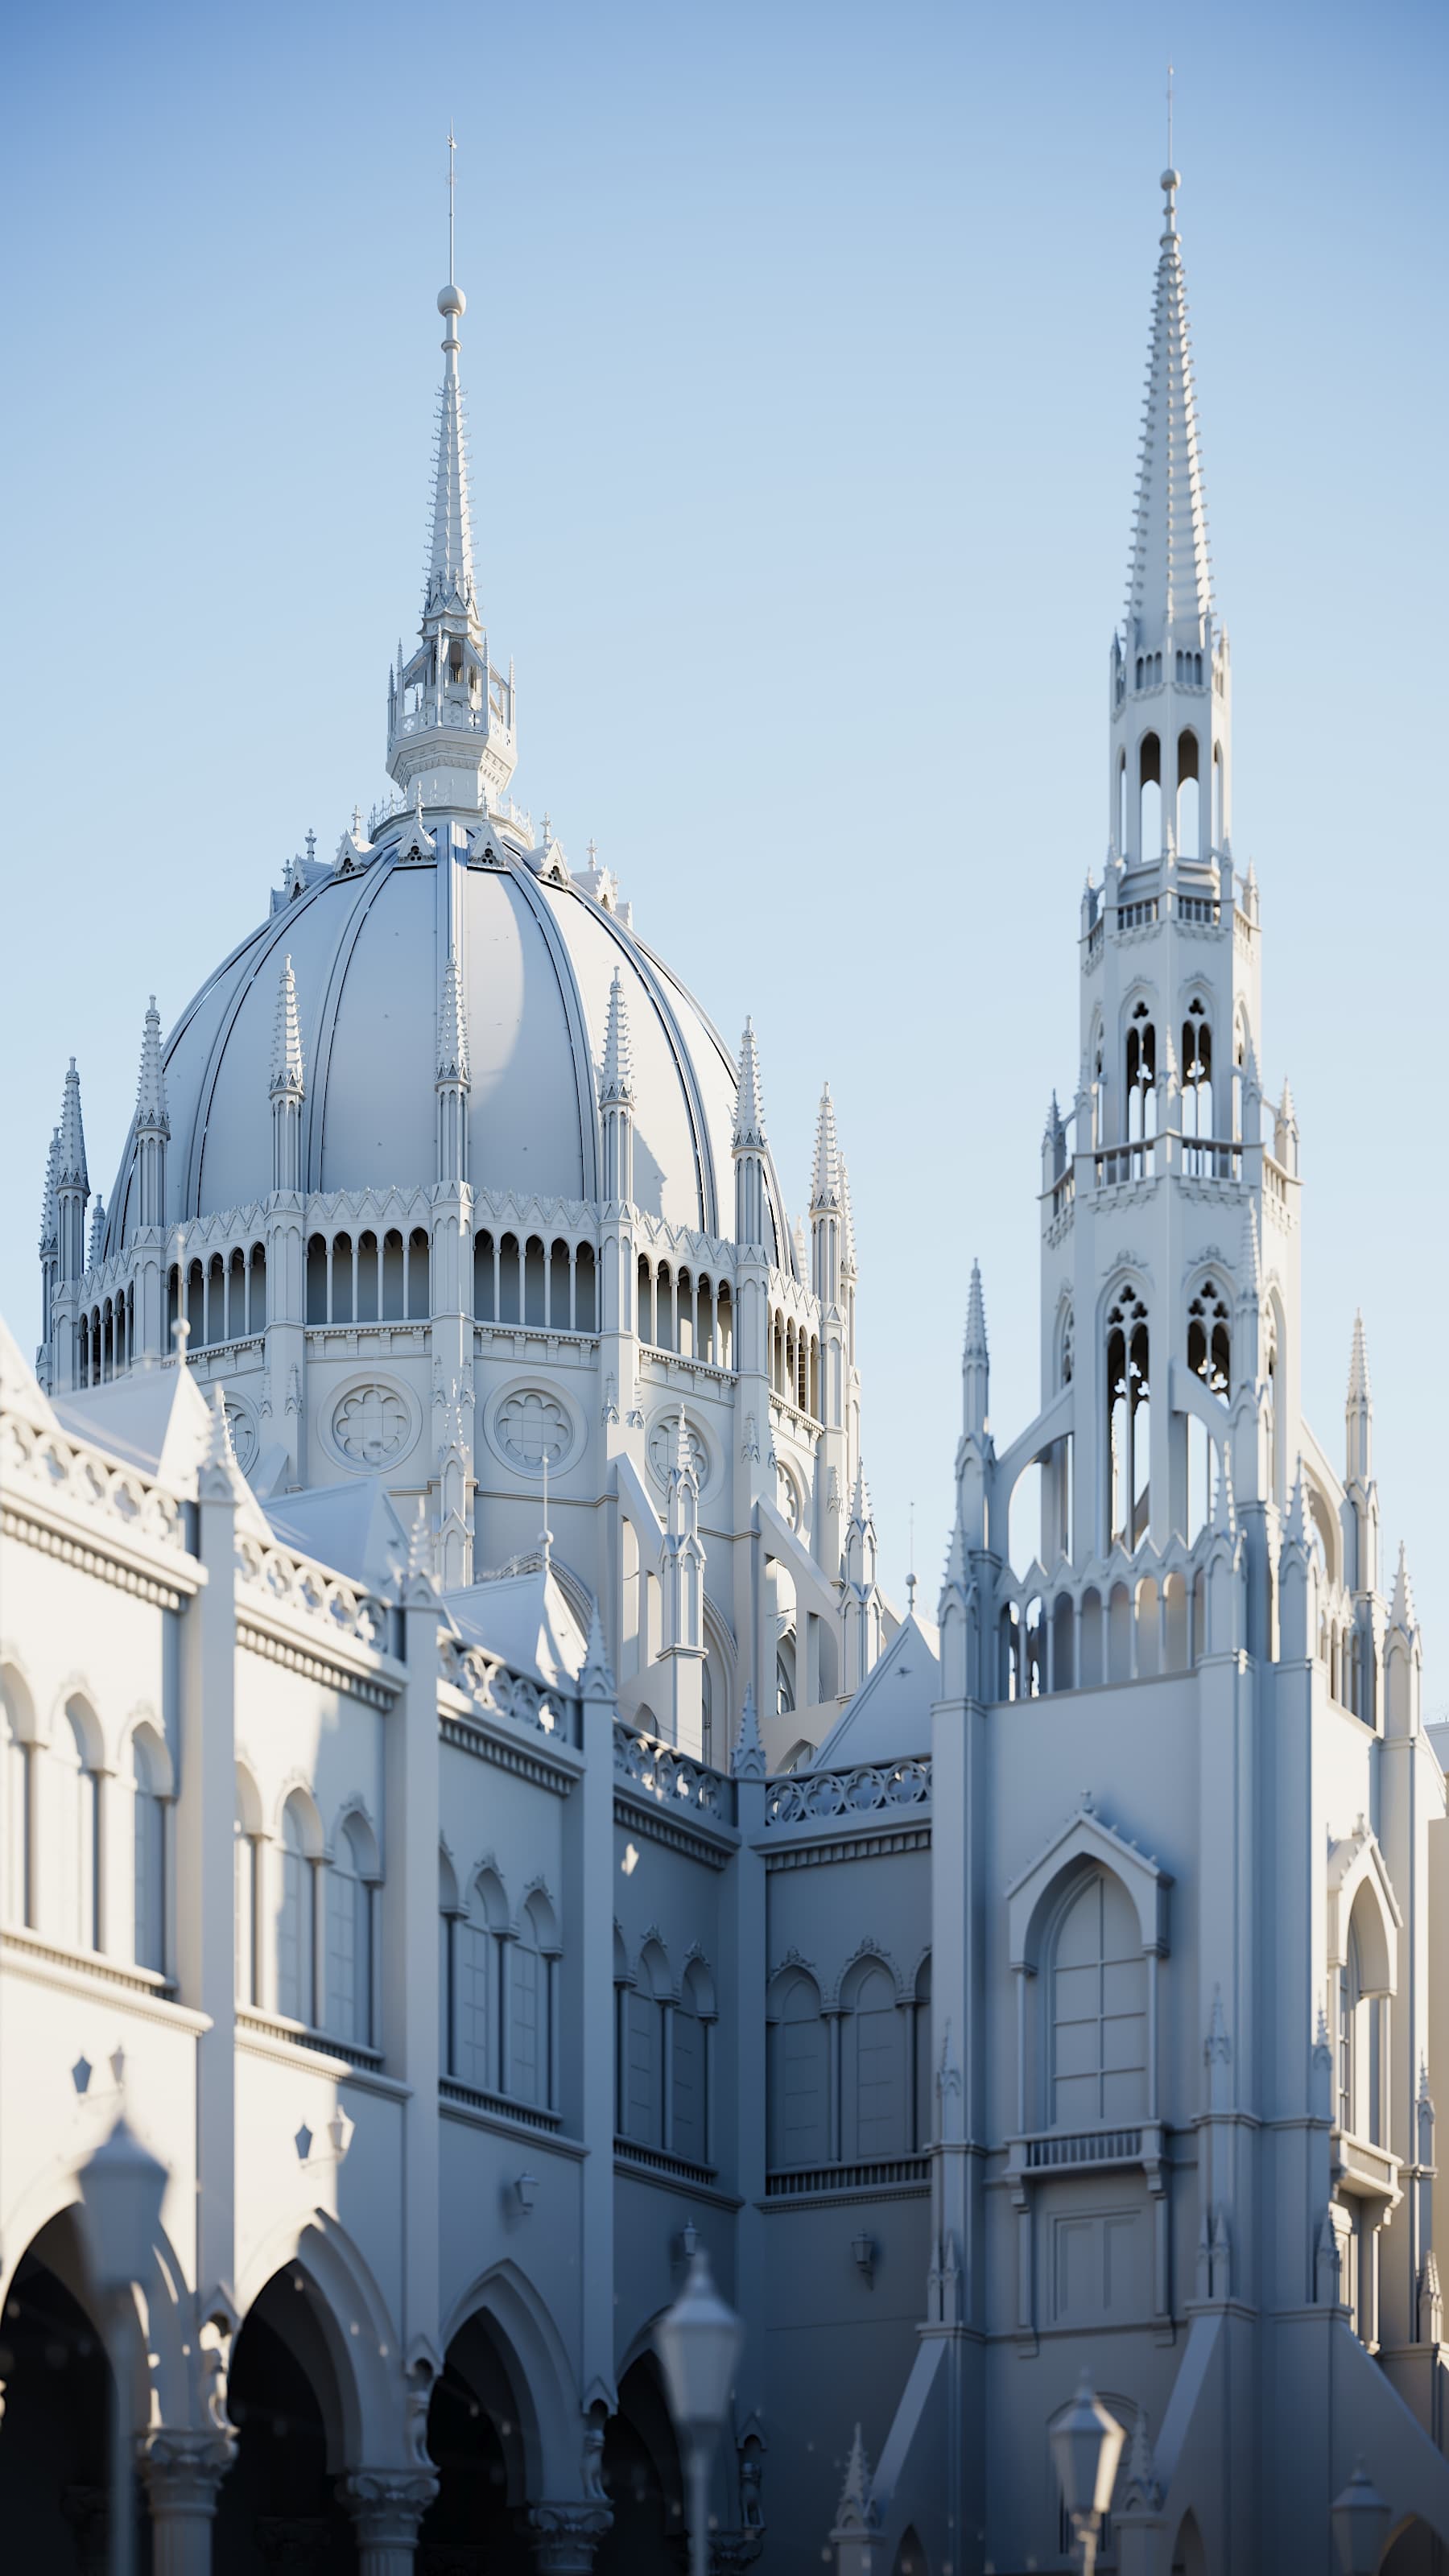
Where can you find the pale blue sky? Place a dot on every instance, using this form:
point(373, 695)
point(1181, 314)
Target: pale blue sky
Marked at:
point(805, 349)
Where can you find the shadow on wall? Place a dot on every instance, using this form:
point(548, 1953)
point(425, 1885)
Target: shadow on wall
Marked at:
point(53, 2441)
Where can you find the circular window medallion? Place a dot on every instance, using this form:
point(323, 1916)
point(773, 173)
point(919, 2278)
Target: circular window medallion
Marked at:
point(241, 1422)
point(664, 1441)
point(371, 1426)
point(531, 1426)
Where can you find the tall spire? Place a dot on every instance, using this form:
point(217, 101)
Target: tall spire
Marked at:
point(749, 1150)
point(48, 1216)
point(1169, 587)
point(827, 1176)
point(72, 1182)
point(975, 1363)
point(450, 714)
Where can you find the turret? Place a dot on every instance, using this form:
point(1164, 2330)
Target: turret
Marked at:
point(288, 1087)
point(616, 1100)
point(72, 1183)
point(453, 1080)
point(749, 1148)
point(153, 1127)
point(975, 1364)
point(860, 1599)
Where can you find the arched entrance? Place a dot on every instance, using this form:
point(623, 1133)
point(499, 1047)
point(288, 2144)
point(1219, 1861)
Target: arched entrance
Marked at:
point(277, 2506)
point(54, 2441)
point(477, 2444)
point(642, 2480)
point(1415, 2551)
point(1189, 2558)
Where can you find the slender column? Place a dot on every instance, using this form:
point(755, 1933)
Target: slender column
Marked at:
point(183, 2471)
point(564, 2537)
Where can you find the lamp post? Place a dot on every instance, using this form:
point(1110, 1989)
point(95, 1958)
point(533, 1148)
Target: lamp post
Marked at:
point(1086, 2447)
point(699, 2344)
point(1359, 2517)
point(121, 2189)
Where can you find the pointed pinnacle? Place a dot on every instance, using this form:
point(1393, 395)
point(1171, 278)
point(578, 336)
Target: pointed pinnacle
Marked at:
point(98, 1232)
point(856, 2490)
point(287, 1036)
point(450, 556)
point(618, 1072)
point(847, 1238)
point(1297, 1528)
point(825, 1178)
point(1170, 575)
point(1401, 1608)
point(49, 1215)
point(749, 1108)
point(70, 1170)
point(151, 1118)
point(596, 1681)
point(975, 1347)
point(683, 1464)
point(1359, 1390)
point(747, 1760)
point(219, 1449)
point(1285, 1105)
point(452, 1026)
point(860, 1505)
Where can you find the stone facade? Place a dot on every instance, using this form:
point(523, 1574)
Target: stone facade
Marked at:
point(467, 1796)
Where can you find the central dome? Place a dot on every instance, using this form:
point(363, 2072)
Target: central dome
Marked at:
point(536, 956)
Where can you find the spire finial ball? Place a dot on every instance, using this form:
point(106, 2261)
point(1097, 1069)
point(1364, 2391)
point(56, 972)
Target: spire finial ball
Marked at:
point(451, 299)
point(1171, 179)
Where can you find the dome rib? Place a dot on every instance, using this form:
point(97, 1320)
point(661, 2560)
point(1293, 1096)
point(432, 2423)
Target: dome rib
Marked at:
point(585, 1080)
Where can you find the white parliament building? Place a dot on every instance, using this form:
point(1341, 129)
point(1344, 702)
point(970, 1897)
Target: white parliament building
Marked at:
point(468, 1799)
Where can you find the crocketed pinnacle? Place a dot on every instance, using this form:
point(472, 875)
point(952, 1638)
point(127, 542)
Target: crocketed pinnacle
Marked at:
point(1170, 576)
point(618, 1072)
point(151, 1118)
point(1250, 1267)
point(70, 1169)
point(827, 1179)
point(860, 1504)
point(975, 1346)
point(1401, 1608)
point(847, 1240)
point(1359, 1390)
point(287, 1073)
point(747, 1760)
point(450, 558)
point(749, 1107)
point(49, 1213)
point(98, 1233)
point(853, 2510)
point(452, 1026)
point(596, 1681)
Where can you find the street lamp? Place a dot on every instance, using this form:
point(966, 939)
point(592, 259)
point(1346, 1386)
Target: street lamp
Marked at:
point(121, 2189)
point(1359, 2517)
point(699, 2344)
point(1086, 2447)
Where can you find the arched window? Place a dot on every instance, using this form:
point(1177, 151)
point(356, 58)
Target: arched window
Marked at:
point(368, 1307)
point(485, 1285)
point(296, 1911)
point(247, 1858)
point(1128, 1420)
point(535, 1276)
point(449, 1909)
point(1140, 1088)
point(419, 1274)
point(1363, 2025)
point(532, 1968)
point(1210, 1338)
point(1197, 1080)
point(1149, 792)
point(317, 1280)
point(797, 2071)
point(689, 2134)
point(585, 1302)
point(643, 2048)
point(477, 1944)
point(20, 1755)
point(1189, 827)
point(874, 2093)
point(923, 2087)
point(1098, 2008)
point(76, 1774)
point(392, 1276)
point(1217, 796)
point(351, 1883)
point(148, 1787)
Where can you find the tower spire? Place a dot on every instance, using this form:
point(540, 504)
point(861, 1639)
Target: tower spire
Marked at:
point(288, 1087)
point(1169, 582)
point(72, 1182)
point(450, 715)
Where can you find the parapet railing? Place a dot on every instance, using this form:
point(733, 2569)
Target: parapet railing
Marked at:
point(495, 1690)
point(675, 1779)
point(870, 1789)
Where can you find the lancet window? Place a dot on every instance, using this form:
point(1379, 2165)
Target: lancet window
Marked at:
point(798, 2070)
point(552, 1285)
point(1197, 1090)
point(148, 1878)
point(1129, 1393)
point(351, 1279)
point(1140, 1080)
point(1097, 2004)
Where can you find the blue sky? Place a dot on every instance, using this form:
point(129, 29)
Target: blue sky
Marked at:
point(805, 349)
